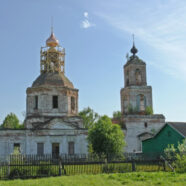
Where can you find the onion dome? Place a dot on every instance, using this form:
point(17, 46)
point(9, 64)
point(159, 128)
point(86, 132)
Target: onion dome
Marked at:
point(134, 50)
point(52, 41)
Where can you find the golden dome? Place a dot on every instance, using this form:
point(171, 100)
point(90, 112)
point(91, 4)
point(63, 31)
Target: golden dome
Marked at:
point(52, 41)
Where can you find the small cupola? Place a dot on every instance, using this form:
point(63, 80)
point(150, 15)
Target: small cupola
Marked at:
point(52, 41)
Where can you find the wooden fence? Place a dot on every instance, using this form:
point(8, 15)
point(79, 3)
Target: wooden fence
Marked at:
point(30, 166)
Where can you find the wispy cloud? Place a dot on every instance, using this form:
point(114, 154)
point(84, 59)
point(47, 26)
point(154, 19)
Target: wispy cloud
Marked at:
point(86, 23)
point(160, 26)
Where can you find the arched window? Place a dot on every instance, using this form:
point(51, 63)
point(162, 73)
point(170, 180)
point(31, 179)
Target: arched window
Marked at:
point(127, 78)
point(138, 76)
point(73, 104)
point(141, 102)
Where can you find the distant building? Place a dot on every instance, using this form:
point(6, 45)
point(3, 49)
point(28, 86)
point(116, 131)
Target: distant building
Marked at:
point(136, 101)
point(52, 124)
point(171, 133)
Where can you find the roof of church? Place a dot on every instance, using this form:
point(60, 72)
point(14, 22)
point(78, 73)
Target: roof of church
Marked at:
point(135, 60)
point(179, 126)
point(52, 79)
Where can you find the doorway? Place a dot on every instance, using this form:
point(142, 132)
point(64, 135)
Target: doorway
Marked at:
point(55, 149)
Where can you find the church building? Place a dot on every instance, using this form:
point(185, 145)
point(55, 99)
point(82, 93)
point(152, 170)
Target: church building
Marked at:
point(52, 124)
point(137, 105)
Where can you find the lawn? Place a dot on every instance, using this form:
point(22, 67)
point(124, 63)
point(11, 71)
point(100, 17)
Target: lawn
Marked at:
point(132, 179)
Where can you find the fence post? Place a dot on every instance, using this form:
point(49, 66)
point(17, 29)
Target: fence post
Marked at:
point(59, 166)
point(164, 165)
point(133, 166)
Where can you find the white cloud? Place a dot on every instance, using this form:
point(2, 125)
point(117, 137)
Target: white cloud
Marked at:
point(86, 15)
point(160, 26)
point(86, 23)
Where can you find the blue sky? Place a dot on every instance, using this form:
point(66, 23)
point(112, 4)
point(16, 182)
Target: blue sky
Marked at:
point(96, 35)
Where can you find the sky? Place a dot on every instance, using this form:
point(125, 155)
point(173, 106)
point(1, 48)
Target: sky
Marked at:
point(96, 35)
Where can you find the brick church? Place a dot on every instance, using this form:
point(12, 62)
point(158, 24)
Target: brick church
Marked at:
point(52, 124)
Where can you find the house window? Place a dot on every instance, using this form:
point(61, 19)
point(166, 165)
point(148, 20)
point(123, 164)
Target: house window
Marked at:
point(55, 101)
point(71, 148)
point(72, 103)
point(17, 149)
point(40, 148)
point(36, 102)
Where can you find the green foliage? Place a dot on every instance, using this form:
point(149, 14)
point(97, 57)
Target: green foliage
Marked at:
point(127, 179)
point(11, 122)
point(170, 151)
point(120, 168)
point(18, 173)
point(180, 163)
point(117, 115)
point(178, 154)
point(135, 110)
point(89, 117)
point(148, 110)
point(45, 170)
point(105, 137)
point(132, 110)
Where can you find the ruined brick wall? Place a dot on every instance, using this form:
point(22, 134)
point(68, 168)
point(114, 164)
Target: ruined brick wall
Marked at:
point(130, 71)
point(45, 107)
point(129, 97)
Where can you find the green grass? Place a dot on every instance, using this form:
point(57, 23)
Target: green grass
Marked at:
point(129, 179)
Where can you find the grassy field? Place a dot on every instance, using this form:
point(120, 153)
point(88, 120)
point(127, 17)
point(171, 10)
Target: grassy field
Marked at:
point(129, 179)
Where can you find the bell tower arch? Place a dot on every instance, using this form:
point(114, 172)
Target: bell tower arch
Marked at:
point(138, 94)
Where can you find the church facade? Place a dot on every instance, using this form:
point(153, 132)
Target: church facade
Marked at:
point(136, 102)
point(52, 124)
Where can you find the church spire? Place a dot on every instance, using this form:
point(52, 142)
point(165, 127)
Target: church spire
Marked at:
point(133, 50)
point(52, 56)
point(52, 41)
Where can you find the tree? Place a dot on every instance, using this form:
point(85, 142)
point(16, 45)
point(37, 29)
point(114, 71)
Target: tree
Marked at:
point(106, 138)
point(11, 122)
point(117, 115)
point(177, 154)
point(89, 117)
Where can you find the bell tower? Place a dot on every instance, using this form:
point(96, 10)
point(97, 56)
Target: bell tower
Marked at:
point(52, 57)
point(52, 94)
point(136, 96)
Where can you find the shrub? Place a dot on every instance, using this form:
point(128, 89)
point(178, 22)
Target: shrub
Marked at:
point(180, 163)
point(179, 154)
point(45, 170)
point(148, 110)
point(108, 168)
point(18, 173)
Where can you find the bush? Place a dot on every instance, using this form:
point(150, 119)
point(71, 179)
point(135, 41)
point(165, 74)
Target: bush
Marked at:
point(180, 163)
point(148, 110)
point(18, 173)
point(177, 154)
point(45, 170)
point(108, 168)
